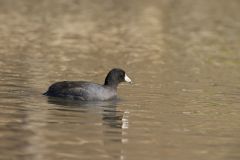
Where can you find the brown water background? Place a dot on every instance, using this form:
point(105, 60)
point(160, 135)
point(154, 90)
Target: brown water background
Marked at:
point(184, 59)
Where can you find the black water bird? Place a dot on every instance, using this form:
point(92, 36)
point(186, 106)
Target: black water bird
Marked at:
point(88, 91)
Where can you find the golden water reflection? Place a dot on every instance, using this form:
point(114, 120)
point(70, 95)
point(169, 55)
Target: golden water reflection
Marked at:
point(183, 57)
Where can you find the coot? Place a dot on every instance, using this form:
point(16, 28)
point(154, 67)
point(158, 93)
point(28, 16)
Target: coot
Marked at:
point(88, 91)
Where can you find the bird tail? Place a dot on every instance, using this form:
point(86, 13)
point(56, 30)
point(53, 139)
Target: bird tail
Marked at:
point(45, 94)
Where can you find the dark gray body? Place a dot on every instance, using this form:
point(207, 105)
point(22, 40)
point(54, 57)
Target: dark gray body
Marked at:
point(81, 90)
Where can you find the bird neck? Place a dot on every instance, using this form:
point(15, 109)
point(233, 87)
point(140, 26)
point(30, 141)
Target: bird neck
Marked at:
point(110, 83)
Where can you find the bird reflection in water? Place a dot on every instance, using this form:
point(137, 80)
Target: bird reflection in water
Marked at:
point(114, 121)
point(110, 114)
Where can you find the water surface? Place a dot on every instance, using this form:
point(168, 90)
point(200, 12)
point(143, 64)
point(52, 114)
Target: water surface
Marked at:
point(184, 59)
